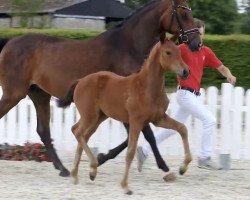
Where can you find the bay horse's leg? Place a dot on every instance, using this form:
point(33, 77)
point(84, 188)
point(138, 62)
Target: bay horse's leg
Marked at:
point(8, 102)
point(41, 102)
point(149, 136)
point(102, 158)
point(170, 123)
point(134, 132)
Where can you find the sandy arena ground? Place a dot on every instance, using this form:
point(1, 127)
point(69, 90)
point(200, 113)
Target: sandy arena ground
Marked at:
point(28, 180)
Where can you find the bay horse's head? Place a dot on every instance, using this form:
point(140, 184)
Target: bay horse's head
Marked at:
point(170, 58)
point(178, 20)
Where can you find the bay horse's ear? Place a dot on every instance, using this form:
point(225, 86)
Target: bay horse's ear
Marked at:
point(162, 37)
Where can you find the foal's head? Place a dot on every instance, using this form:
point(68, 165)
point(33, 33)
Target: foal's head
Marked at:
point(170, 58)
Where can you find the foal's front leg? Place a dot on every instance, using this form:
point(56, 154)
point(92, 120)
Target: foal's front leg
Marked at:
point(170, 123)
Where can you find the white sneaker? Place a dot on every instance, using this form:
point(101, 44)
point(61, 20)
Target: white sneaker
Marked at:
point(207, 164)
point(141, 157)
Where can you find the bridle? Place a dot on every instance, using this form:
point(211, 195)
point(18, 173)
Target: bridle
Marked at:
point(183, 34)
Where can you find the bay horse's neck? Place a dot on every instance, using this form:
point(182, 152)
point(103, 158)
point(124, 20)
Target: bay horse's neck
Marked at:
point(152, 74)
point(141, 31)
point(144, 29)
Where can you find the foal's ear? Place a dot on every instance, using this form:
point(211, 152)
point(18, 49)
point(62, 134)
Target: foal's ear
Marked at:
point(162, 38)
point(174, 38)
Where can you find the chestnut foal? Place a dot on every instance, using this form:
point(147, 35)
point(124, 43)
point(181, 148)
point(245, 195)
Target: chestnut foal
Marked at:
point(137, 99)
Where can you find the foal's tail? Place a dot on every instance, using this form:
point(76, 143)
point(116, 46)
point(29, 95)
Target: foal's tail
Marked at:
point(68, 99)
point(3, 42)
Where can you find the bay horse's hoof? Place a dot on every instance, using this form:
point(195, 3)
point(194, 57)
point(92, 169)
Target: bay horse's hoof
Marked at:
point(64, 173)
point(101, 159)
point(169, 177)
point(164, 168)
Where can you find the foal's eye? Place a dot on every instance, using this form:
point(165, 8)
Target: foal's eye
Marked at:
point(168, 53)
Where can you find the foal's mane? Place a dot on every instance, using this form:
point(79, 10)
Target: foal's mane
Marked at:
point(153, 53)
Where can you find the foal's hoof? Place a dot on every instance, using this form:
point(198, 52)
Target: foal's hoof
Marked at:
point(183, 169)
point(75, 180)
point(169, 177)
point(129, 192)
point(100, 159)
point(64, 173)
point(92, 176)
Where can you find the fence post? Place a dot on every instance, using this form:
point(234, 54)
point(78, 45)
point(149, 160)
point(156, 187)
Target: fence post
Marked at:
point(247, 126)
point(56, 125)
point(226, 98)
point(23, 122)
point(33, 135)
point(237, 122)
point(69, 139)
point(11, 126)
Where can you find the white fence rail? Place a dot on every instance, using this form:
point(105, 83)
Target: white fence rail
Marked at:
point(231, 106)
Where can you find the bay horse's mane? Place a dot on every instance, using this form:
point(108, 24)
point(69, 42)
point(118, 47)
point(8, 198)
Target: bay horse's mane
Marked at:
point(133, 13)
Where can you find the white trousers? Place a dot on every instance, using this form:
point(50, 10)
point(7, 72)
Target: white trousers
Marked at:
point(189, 105)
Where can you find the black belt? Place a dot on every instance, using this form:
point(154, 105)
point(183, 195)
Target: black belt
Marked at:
point(197, 93)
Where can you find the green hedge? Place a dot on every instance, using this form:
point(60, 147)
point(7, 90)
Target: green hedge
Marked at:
point(73, 34)
point(233, 51)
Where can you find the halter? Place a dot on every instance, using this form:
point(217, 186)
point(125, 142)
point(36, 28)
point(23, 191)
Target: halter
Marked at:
point(183, 34)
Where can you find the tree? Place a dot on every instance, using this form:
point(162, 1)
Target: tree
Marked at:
point(245, 20)
point(26, 10)
point(219, 16)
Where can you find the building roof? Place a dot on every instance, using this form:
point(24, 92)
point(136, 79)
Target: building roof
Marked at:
point(49, 5)
point(96, 8)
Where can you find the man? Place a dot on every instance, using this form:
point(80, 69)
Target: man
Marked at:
point(187, 97)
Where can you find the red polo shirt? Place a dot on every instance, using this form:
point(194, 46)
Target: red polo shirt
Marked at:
point(197, 61)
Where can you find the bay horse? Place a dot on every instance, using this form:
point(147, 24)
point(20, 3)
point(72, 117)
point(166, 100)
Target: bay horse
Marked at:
point(137, 100)
point(42, 66)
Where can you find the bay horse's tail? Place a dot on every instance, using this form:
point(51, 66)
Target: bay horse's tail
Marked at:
point(3, 42)
point(68, 99)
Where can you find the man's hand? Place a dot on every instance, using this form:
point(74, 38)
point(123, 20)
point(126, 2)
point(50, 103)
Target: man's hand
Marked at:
point(231, 79)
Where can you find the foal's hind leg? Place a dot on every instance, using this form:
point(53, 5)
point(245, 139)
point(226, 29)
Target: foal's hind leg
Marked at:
point(83, 131)
point(74, 172)
point(169, 123)
point(41, 102)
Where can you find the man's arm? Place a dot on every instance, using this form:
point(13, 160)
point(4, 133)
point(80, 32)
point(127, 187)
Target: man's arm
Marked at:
point(227, 73)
